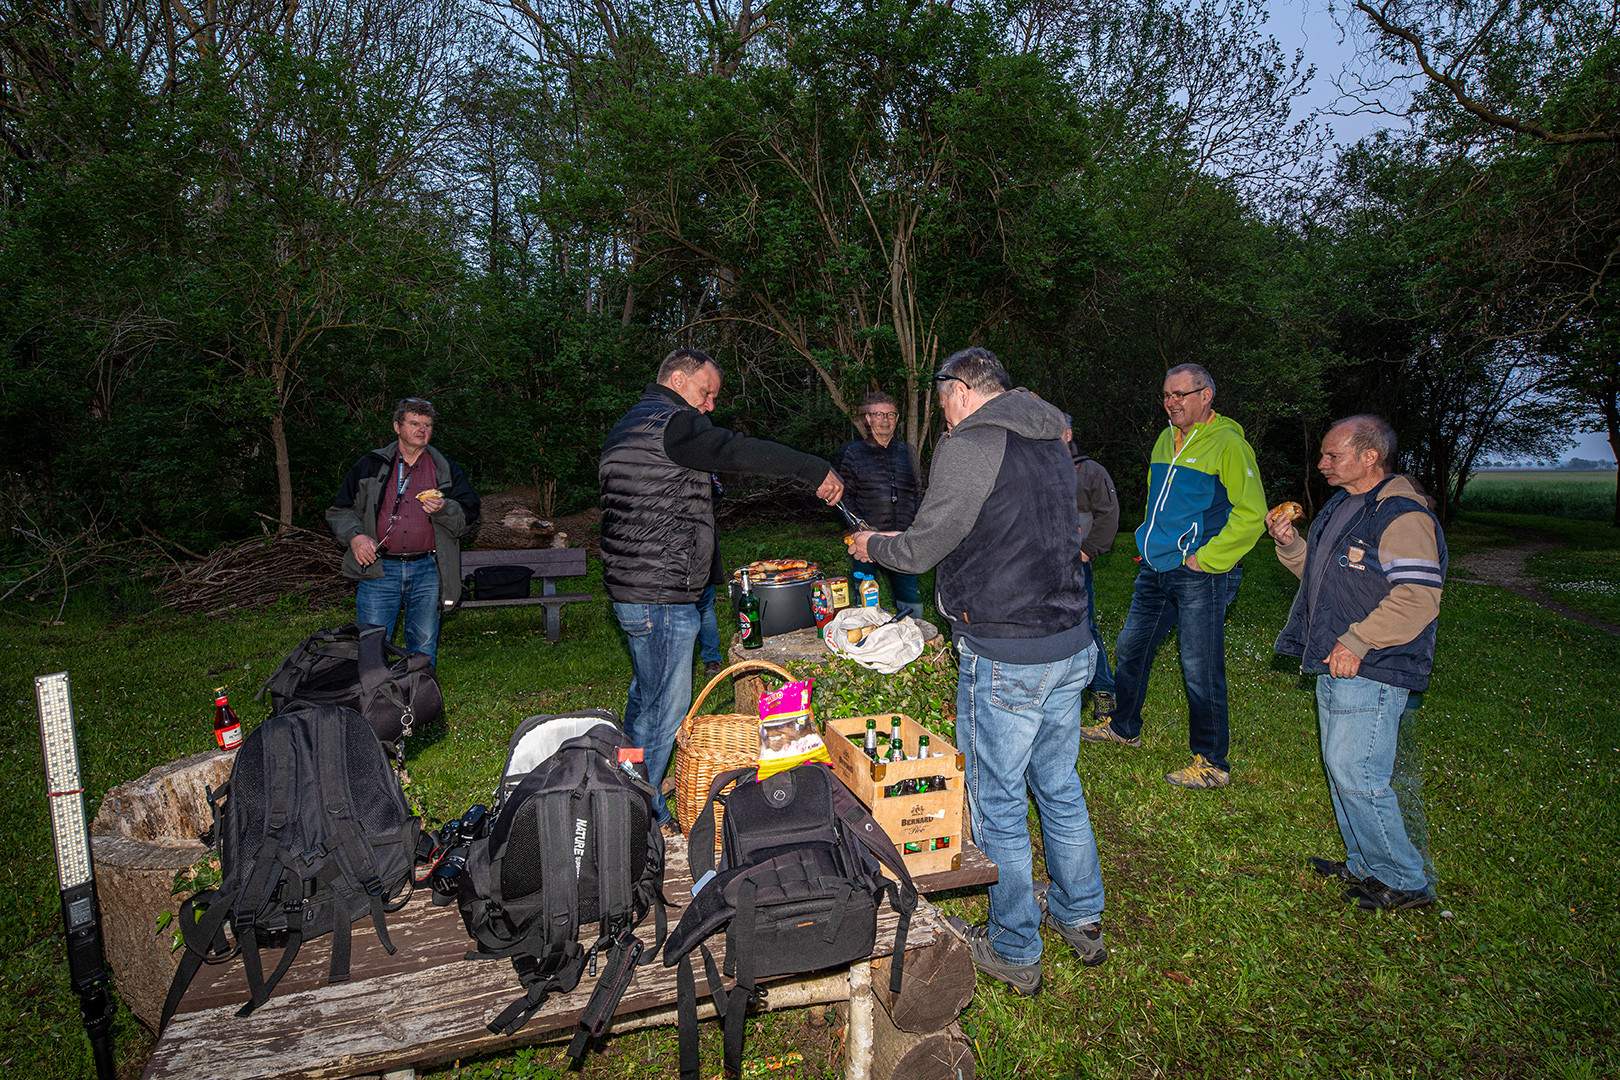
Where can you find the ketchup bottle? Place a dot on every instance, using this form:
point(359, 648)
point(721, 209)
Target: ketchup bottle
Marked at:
point(227, 728)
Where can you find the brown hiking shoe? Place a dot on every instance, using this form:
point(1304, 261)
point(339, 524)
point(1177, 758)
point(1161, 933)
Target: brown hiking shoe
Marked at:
point(1200, 774)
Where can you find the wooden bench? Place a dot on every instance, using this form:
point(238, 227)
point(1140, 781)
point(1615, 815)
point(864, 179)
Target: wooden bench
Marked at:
point(428, 1004)
point(548, 565)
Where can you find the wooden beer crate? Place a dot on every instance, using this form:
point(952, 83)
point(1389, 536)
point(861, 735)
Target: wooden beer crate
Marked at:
point(931, 819)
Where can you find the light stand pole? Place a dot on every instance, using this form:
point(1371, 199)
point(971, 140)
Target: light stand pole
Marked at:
point(87, 965)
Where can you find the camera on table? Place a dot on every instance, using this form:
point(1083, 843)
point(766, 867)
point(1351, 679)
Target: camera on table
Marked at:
point(455, 842)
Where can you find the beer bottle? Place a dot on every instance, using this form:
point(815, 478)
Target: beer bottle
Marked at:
point(897, 740)
point(871, 738)
point(753, 631)
point(227, 728)
point(927, 783)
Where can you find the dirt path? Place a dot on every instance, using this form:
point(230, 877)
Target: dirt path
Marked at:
point(1506, 567)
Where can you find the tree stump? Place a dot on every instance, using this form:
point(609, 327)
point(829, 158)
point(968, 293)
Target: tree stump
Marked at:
point(936, 986)
point(145, 831)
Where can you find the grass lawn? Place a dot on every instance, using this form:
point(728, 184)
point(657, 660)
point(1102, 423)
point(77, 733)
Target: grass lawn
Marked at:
point(1561, 492)
point(1229, 958)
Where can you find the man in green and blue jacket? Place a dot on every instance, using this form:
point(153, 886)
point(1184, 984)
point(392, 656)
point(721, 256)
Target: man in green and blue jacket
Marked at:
point(1206, 508)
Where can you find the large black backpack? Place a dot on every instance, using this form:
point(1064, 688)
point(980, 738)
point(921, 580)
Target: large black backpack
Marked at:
point(314, 833)
point(574, 842)
point(797, 890)
point(355, 665)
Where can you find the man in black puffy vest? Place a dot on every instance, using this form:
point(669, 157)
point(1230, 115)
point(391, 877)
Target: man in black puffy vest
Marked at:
point(658, 535)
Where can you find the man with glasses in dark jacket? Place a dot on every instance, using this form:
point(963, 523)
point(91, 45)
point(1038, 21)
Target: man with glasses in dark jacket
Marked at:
point(880, 478)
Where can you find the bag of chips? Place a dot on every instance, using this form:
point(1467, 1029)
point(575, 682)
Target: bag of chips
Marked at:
point(787, 730)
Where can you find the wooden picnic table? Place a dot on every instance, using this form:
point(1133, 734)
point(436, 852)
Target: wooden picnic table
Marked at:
point(428, 1004)
point(549, 566)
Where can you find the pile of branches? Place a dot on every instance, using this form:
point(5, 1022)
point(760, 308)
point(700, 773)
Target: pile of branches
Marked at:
point(259, 572)
point(773, 501)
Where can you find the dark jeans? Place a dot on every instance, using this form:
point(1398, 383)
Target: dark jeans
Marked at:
point(1103, 681)
point(1195, 603)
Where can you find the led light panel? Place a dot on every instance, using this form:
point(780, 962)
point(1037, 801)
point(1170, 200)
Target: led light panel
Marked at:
point(64, 793)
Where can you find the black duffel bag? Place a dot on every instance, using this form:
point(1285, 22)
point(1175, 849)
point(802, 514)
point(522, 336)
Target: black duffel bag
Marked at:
point(497, 583)
point(356, 666)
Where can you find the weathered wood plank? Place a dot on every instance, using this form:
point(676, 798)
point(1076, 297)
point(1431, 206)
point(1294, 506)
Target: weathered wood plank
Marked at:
point(426, 1003)
point(432, 1013)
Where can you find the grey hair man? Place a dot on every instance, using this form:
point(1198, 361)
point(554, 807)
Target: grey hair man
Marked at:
point(659, 546)
point(1364, 622)
point(1000, 523)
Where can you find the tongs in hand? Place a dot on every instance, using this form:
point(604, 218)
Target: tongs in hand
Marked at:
point(855, 520)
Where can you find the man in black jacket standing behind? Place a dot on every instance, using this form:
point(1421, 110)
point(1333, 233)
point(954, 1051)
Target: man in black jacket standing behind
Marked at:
point(659, 549)
point(880, 473)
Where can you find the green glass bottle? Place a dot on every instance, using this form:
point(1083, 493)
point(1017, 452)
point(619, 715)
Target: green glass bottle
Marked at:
point(748, 622)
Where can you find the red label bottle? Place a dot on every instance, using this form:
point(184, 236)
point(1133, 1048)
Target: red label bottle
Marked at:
point(227, 728)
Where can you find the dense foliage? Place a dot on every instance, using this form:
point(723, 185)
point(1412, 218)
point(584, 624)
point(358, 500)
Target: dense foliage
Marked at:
point(235, 233)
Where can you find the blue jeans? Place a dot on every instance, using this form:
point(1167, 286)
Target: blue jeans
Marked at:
point(1360, 722)
point(1196, 603)
point(902, 587)
point(1018, 726)
point(708, 628)
point(661, 638)
point(1103, 681)
point(413, 585)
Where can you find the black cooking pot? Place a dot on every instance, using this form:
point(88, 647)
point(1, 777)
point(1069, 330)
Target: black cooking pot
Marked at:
point(782, 608)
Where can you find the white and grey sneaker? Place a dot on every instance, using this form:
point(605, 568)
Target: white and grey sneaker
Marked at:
point(1086, 941)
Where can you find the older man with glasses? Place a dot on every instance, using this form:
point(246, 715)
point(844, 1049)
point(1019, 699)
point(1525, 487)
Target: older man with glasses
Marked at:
point(401, 513)
point(1001, 523)
point(1206, 508)
point(881, 483)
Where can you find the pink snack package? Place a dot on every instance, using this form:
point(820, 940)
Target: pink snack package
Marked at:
point(787, 730)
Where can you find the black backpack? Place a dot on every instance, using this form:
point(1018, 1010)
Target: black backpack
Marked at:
point(356, 666)
point(797, 890)
point(574, 842)
point(314, 833)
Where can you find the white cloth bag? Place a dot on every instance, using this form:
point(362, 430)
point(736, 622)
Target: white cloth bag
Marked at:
point(887, 649)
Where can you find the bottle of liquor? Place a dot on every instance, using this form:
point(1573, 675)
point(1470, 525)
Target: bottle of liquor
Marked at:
point(748, 622)
point(227, 728)
point(871, 738)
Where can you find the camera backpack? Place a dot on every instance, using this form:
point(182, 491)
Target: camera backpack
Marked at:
point(797, 890)
point(574, 842)
point(356, 666)
point(313, 833)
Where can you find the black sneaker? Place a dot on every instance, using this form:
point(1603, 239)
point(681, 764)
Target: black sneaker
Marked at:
point(1329, 868)
point(1025, 979)
point(1374, 895)
point(1086, 941)
point(711, 668)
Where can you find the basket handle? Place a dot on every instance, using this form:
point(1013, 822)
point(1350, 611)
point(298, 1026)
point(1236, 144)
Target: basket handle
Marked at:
point(745, 665)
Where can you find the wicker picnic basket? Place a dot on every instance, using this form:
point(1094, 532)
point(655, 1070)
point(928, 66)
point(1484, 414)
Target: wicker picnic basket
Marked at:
point(707, 746)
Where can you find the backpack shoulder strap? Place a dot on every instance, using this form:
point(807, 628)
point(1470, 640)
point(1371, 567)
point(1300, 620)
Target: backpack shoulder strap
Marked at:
point(701, 856)
point(859, 824)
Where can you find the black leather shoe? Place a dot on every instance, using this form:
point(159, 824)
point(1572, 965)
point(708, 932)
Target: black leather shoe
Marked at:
point(1374, 895)
point(1329, 868)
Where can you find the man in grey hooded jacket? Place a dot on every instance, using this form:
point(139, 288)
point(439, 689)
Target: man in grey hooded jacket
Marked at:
point(1000, 523)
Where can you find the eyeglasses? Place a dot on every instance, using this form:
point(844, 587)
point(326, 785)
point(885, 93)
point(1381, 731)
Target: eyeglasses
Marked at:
point(949, 378)
point(883, 416)
point(1182, 395)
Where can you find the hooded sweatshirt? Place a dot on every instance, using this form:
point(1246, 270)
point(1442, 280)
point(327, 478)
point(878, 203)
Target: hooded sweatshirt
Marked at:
point(999, 520)
point(1205, 497)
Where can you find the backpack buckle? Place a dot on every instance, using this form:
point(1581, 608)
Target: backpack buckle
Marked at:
point(373, 885)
